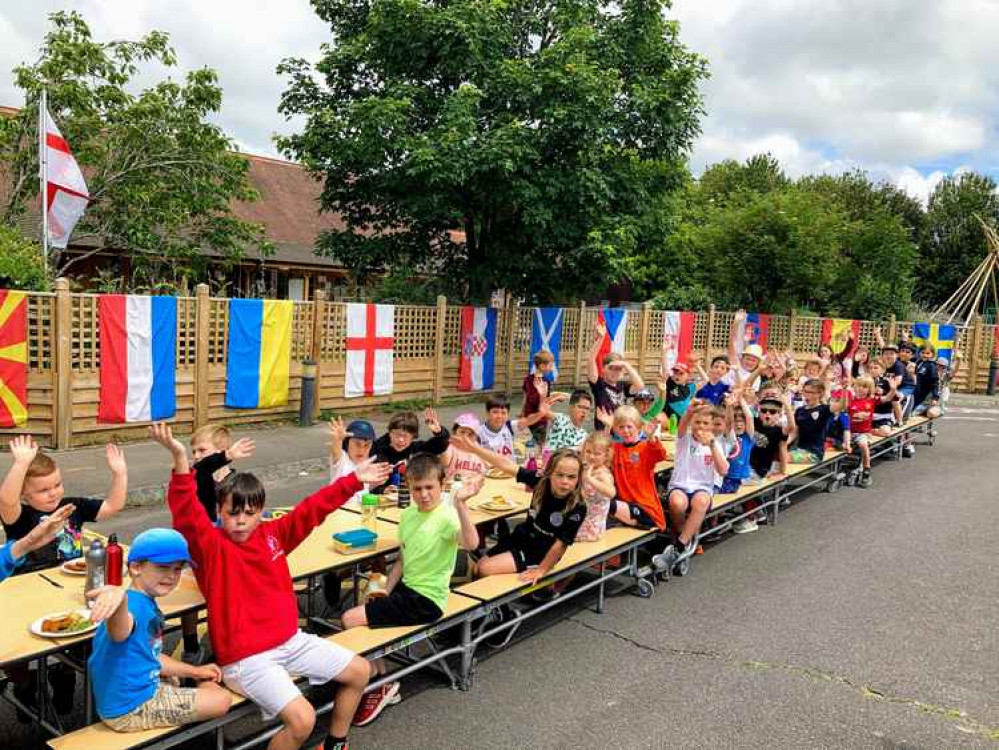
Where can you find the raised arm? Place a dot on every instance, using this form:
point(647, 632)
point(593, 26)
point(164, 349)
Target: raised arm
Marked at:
point(592, 366)
point(695, 405)
point(747, 414)
point(738, 323)
point(468, 534)
point(118, 493)
point(634, 377)
point(23, 450)
point(503, 463)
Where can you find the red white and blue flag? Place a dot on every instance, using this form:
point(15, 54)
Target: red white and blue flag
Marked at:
point(615, 323)
point(678, 338)
point(138, 358)
point(477, 361)
point(755, 330)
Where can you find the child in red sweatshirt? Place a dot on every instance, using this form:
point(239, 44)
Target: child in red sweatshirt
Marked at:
point(242, 570)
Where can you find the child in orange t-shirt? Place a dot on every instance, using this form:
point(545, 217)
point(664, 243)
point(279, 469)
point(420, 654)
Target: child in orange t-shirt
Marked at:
point(634, 468)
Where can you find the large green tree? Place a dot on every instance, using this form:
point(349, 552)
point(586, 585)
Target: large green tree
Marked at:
point(524, 144)
point(953, 243)
point(161, 176)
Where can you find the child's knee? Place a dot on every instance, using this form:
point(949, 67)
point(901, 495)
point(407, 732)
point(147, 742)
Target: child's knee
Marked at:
point(700, 503)
point(213, 701)
point(356, 674)
point(354, 617)
point(299, 718)
point(678, 501)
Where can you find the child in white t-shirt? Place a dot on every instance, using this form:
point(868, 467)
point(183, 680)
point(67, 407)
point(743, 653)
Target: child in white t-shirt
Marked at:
point(498, 431)
point(349, 446)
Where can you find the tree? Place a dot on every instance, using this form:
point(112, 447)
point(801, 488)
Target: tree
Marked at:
point(954, 243)
point(21, 264)
point(161, 177)
point(513, 144)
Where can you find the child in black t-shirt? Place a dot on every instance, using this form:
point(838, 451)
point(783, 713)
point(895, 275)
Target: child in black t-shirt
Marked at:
point(557, 511)
point(812, 421)
point(30, 493)
point(769, 437)
point(612, 385)
point(213, 451)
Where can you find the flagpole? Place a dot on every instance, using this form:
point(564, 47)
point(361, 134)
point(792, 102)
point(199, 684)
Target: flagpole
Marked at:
point(43, 175)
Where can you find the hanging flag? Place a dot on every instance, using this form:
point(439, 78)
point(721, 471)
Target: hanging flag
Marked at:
point(939, 335)
point(370, 349)
point(259, 355)
point(476, 362)
point(754, 330)
point(836, 332)
point(546, 333)
point(13, 358)
point(678, 338)
point(615, 323)
point(138, 338)
point(66, 193)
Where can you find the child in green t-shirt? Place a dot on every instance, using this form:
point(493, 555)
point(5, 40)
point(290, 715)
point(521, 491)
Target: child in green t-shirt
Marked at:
point(430, 532)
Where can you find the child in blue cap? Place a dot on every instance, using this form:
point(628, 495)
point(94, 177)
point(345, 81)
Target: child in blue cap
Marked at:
point(134, 682)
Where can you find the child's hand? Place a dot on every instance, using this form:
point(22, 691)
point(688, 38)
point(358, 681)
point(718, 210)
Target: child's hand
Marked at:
point(47, 530)
point(599, 328)
point(704, 437)
point(470, 486)
point(107, 599)
point(242, 448)
point(210, 672)
point(23, 449)
point(116, 460)
point(557, 397)
point(911, 367)
point(958, 354)
point(433, 423)
point(731, 399)
point(371, 473)
point(338, 433)
point(462, 443)
point(161, 433)
point(740, 316)
point(605, 417)
point(531, 576)
point(894, 381)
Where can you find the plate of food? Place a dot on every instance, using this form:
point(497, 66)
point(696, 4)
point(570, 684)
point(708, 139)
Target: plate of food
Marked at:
point(77, 567)
point(498, 503)
point(497, 474)
point(63, 624)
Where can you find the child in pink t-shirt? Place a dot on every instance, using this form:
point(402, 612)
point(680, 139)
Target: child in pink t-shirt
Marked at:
point(458, 461)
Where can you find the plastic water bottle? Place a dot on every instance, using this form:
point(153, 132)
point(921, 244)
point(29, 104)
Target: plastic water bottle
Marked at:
point(455, 489)
point(369, 512)
point(532, 457)
point(672, 424)
point(114, 561)
point(97, 559)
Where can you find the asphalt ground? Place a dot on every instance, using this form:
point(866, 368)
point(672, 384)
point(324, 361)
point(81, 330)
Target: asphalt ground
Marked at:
point(863, 619)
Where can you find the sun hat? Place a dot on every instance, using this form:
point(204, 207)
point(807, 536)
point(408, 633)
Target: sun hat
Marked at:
point(468, 420)
point(159, 546)
point(754, 350)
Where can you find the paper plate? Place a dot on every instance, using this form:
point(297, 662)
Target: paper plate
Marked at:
point(36, 626)
point(65, 567)
point(497, 474)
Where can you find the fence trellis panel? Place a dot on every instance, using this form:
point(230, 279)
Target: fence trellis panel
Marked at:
point(63, 381)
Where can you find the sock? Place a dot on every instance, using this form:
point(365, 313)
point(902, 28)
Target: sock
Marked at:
point(335, 743)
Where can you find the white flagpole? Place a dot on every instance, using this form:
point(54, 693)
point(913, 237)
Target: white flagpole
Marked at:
point(43, 174)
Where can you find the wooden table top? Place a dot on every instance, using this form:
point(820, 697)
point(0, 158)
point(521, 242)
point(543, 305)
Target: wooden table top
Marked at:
point(507, 488)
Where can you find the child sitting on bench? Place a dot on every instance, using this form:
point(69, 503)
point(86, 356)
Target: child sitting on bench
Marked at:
point(430, 533)
point(134, 682)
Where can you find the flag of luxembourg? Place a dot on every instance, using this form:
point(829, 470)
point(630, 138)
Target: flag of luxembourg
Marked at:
point(615, 322)
point(476, 364)
point(138, 338)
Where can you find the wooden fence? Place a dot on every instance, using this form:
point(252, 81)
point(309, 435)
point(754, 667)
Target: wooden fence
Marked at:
point(64, 357)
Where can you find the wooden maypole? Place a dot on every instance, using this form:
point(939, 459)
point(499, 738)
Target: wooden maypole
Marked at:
point(974, 294)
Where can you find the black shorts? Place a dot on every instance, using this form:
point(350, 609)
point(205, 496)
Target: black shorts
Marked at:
point(527, 547)
point(637, 513)
point(402, 607)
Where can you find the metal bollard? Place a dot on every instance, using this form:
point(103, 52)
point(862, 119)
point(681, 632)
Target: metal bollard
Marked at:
point(993, 373)
point(308, 401)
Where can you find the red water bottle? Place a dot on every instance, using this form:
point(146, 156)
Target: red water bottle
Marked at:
point(114, 561)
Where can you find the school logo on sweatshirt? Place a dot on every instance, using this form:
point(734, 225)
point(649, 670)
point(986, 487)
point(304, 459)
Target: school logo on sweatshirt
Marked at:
point(275, 547)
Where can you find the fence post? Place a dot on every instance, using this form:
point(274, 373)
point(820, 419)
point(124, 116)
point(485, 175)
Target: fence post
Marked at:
point(644, 336)
point(974, 361)
point(513, 314)
point(63, 364)
point(202, 388)
point(892, 329)
point(439, 351)
point(709, 350)
point(580, 346)
point(318, 322)
point(792, 320)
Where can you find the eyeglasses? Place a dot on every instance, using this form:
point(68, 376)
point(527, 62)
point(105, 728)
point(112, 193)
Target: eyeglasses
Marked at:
point(769, 411)
point(581, 407)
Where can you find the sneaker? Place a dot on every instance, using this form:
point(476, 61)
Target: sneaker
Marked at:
point(666, 559)
point(909, 450)
point(745, 526)
point(761, 517)
point(865, 480)
point(373, 703)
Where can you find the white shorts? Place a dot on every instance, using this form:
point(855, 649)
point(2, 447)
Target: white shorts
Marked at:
point(266, 678)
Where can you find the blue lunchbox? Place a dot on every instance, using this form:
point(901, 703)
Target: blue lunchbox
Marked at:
point(355, 540)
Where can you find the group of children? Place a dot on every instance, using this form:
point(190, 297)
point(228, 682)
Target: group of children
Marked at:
point(732, 424)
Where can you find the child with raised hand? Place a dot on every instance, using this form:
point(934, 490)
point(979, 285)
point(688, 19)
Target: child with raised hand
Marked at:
point(242, 571)
point(715, 380)
point(881, 424)
point(131, 677)
point(840, 362)
point(350, 445)
point(430, 533)
point(214, 451)
point(537, 388)
point(598, 486)
point(459, 461)
point(569, 430)
point(615, 383)
point(634, 468)
point(699, 457)
point(557, 511)
point(399, 443)
point(738, 457)
point(745, 357)
point(13, 552)
point(498, 431)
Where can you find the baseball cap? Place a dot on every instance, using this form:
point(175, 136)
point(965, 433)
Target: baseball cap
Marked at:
point(890, 346)
point(361, 429)
point(754, 350)
point(644, 395)
point(468, 420)
point(681, 367)
point(943, 361)
point(159, 546)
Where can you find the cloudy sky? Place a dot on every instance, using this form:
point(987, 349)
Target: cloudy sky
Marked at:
point(907, 89)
